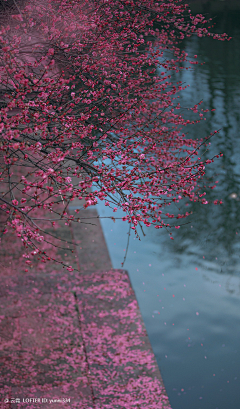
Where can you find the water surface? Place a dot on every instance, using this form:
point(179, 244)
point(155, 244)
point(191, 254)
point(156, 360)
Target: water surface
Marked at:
point(188, 288)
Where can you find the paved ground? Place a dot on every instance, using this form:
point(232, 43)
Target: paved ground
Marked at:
point(73, 339)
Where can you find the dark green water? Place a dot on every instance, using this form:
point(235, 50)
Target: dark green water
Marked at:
point(189, 288)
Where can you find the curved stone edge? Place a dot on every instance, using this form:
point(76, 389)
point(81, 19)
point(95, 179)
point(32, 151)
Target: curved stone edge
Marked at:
point(122, 366)
point(104, 296)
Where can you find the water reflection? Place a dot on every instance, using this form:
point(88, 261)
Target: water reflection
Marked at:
point(215, 229)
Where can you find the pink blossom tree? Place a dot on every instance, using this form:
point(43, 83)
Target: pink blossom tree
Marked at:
point(89, 111)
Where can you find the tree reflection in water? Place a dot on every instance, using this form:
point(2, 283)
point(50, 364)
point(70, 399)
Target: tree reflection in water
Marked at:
point(215, 230)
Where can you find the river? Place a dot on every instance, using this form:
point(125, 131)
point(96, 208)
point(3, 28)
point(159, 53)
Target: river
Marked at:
point(188, 288)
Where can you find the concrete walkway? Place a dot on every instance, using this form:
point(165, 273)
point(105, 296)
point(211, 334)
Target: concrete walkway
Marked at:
point(73, 339)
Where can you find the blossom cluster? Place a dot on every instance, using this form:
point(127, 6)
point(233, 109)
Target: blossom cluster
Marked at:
point(89, 111)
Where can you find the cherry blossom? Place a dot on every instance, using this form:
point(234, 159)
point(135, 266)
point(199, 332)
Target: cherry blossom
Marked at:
point(89, 111)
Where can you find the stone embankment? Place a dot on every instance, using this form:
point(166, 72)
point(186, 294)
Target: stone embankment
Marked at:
point(73, 339)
